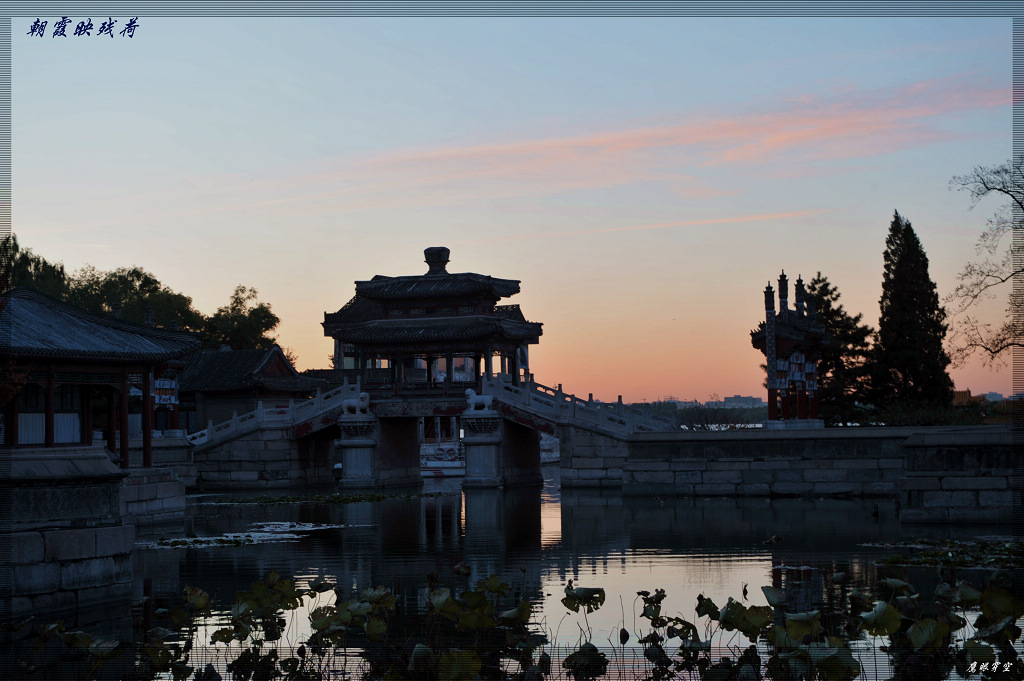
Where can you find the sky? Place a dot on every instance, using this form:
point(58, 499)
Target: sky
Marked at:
point(643, 178)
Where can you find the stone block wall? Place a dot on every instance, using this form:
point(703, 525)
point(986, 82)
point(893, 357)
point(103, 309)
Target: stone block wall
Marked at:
point(152, 497)
point(938, 474)
point(964, 475)
point(590, 459)
point(268, 458)
point(70, 552)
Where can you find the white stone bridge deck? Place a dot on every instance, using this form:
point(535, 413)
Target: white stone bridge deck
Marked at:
point(550, 405)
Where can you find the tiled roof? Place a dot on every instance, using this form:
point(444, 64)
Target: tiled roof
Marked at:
point(227, 370)
point(33, 325)
point(436, 286)
point(358, 309)
point(477, 327)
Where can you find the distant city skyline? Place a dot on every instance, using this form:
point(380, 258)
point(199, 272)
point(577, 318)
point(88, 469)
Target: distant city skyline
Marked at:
point(643, 178)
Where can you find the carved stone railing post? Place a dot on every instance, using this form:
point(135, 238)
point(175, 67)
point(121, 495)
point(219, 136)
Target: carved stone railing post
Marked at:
point(360, 433)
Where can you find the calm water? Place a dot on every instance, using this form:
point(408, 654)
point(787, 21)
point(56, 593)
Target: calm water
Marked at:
point(537, 539)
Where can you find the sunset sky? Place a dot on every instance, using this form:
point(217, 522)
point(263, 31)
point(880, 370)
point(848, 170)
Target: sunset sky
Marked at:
point(643, 178)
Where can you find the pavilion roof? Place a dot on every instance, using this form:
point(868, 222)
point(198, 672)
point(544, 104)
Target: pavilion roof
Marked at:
point(228, 370)
point(444, 285)
point(439, 329)
point(33, 325)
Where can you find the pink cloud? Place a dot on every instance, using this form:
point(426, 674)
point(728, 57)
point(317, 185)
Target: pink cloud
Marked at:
point(842, 124)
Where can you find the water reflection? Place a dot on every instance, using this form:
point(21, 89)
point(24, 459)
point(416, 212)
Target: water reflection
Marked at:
point(536, 539)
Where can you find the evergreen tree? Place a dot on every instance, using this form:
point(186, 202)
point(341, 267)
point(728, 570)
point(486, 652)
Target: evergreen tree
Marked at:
point(842, 367)
point(243, 324)
point(908, 363)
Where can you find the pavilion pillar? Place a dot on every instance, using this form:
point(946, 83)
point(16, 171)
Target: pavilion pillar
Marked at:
point(11, 439)
point(513, 367)
point(786, 408)
point(147, 418)
point(111, 420)
point(174, 416)
point(86, 414)
point(801, 403)
point(773, 404)
point(123, 409)
point(504, 363)
point(812, 406)
point(488, 362)
point(48, 427)
point(449, 366)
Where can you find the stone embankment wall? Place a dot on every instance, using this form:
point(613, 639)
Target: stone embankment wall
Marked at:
point(70, 551)
point(589, 459)
point(266, 458)
point(151, 497)
point(937, 474)
point(959, 476)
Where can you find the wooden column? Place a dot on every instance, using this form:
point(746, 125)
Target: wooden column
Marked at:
point(174, 416)
point(488, 361)
point(773, 404)
point(801, 403)
point(812, 406)
point(12, 423)
point(111, 419)
point(123, 409)
point(86, 414)
point(147, 418)
point(786, 408)
point(449, 366)
point(48, 427)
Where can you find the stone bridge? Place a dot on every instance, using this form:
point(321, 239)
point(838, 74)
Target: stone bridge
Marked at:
point(379, 445)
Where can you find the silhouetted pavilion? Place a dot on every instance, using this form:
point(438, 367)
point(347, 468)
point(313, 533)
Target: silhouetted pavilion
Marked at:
point(433, 332)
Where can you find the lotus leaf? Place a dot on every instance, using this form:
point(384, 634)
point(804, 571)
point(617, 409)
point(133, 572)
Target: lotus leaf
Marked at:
point(803, 624)
point(421, 659)
point(320, 585)
point(375, 628)
point(459, 665)
point(706, 607)
point(493, 584)
point(999, 603)
point(979, 652)
point(883, 620)
point(928, 634)
point(775, 597)
point(898, 585)
point(968, 595)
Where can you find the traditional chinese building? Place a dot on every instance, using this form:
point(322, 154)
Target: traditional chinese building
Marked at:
point(433, 333)
point(61, 365)
point(792, 341)
point(215, 384)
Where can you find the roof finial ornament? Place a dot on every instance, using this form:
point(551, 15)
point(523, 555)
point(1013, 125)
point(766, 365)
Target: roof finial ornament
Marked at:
point(437, 258)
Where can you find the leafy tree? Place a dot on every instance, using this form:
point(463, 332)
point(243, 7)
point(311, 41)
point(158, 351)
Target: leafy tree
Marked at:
point(908, 362)
point(999, 265)
point(842, 368)
point(243, 323)
point(21, 267)
point(133, 288)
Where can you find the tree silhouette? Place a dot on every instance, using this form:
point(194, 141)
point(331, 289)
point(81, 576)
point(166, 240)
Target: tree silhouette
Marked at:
point(908, 361)
point(842, 367)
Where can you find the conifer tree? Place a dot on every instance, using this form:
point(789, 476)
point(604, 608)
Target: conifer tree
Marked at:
point(842, 367)
point(908, 362)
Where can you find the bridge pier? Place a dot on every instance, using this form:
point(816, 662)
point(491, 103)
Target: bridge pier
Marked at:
point(359, 436)
point(482, 442)
point(378, 452)
point(499, 453)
